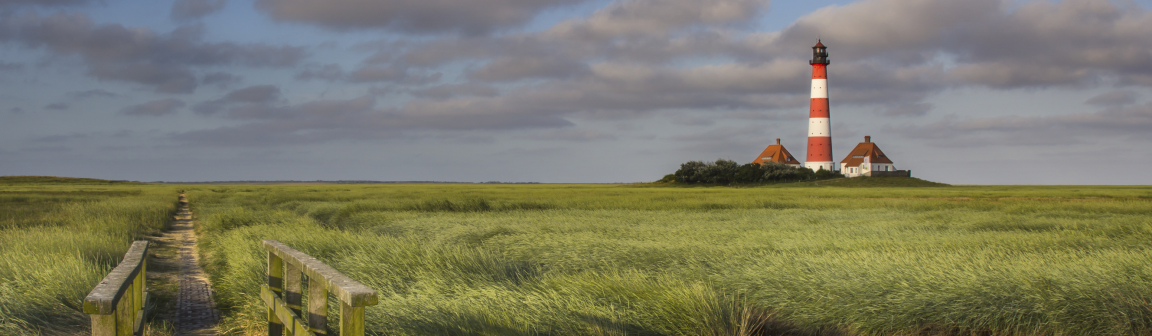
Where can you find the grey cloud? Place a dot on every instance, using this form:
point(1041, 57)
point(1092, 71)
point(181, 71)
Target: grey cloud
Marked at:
point(60, 137)
point(42, 149)
point(220, 79)
point(138, 55)
point(651, 18)
point(93, 93)
point(1035, 44)
point(572, 134)
point(912, 109)
point(1114, 98)
point(395, 74)
point(473, 17)
point(194, 9)
point(693, 121)
point(613, 90)
point(1123, 122)
point(7, 66)
point(328, 72)
point(16, 110)
point(57, 106)
point(256, 94)
point(353, 119)
point(442, 92)
point(518, 67)
point(154, 108)
point(900, 30)
point(635, 30)
point(46, 3)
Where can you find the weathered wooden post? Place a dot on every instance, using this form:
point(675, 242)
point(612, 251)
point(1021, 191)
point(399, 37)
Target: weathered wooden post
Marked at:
point(285, 310)
point(275, 284)
point(116, 305)
point(292, 287)
point(317, 306)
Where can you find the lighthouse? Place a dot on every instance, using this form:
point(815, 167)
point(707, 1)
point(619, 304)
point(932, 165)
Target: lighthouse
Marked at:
point(819, 127)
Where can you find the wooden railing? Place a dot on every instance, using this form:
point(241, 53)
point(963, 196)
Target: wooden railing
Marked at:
point(116, 305)
point(282, 294)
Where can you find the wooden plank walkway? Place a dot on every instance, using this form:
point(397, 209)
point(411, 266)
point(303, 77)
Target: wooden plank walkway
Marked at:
point(196, 312)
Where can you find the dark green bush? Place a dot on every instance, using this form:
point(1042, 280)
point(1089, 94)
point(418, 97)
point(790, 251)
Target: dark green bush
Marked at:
point(725, 172)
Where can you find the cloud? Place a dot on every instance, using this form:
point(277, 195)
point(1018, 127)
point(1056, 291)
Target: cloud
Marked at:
point(139, 55)
point(46, 149)
point(195, 9)
point(274, 124)
point(10, 66)
point(572, 134)
point(394, 74)
point(45, 3)
point(59, 137)
point(256, 94)
point(1124, 122)
point(1035, 44)
point(154, 108)
point(446, 91)
point(650, 31)
point(655, 18)
point(93, 93)
point(253, 94)
point(57, 106)
point(474, 17)
point(512, 68)
point(220, 79)
point(914, 109)
point(328, 72)
point(1114, 98)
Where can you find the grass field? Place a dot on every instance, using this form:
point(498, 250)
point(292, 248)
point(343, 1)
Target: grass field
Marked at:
point(842, 257)
point(59, 237)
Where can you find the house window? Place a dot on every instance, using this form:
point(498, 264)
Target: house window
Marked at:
point(767, 158)
point(857, 156)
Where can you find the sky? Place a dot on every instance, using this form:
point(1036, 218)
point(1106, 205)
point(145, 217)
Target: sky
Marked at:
point(568, 91)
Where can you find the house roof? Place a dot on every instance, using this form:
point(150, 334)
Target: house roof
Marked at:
point(776, 153)
point(866, 149)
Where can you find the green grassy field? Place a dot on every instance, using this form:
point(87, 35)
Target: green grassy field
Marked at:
point(59, 237)
point(841, 257)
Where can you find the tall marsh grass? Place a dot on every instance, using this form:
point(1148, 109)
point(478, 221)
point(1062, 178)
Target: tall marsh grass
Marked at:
point(638, 260)
point(58, 241)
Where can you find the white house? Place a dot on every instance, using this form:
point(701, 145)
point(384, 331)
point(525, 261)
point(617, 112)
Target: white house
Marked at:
point(865, 159)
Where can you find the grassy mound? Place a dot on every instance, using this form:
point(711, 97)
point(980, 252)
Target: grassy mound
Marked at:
point(873, 182)
point(12, 180)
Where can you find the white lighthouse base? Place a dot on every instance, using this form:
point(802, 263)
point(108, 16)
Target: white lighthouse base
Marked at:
point(815, 166)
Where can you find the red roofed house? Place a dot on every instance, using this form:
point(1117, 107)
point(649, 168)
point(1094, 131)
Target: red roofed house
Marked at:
point(777, 153)
point(868, 160)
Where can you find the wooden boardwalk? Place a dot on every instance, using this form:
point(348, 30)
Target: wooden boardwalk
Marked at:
point(196, 312)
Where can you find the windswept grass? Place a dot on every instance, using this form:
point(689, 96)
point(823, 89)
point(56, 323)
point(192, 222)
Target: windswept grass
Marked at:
point(637, 260)
point(58, 241)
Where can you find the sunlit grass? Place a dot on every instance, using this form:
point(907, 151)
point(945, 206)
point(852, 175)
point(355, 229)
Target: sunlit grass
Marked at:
point(637, 260)
point(57, 241)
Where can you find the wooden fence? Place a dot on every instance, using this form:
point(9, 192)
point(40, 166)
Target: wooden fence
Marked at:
point(282, 294)
point(116, 305)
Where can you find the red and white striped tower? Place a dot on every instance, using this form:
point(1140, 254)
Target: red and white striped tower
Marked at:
point(819, 128)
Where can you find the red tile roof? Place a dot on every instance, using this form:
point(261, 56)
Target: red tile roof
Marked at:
point(866, 149)
point(776, 153)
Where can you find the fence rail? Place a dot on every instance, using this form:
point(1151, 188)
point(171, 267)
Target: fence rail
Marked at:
point(286, 270)
point(116, 305)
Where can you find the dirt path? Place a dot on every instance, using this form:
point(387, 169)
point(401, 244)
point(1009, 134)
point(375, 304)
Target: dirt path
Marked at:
point(177, 273)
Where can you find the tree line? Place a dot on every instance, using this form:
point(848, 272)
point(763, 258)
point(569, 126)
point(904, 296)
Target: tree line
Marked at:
point(725, 172)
